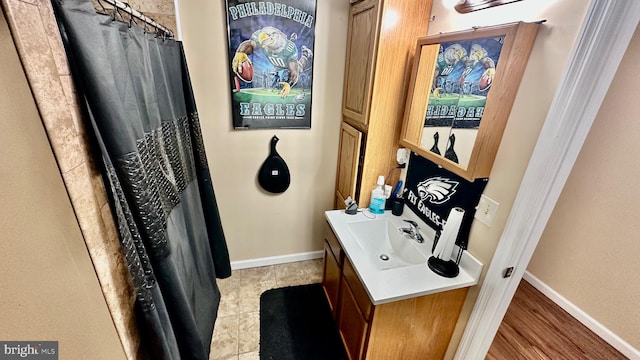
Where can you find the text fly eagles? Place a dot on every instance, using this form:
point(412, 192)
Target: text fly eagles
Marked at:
point(436, 190)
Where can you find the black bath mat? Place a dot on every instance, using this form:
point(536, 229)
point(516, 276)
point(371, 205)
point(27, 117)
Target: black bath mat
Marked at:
point(296, 324)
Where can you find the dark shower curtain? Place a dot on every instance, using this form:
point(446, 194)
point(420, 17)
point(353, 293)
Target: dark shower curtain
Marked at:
point(139, 103)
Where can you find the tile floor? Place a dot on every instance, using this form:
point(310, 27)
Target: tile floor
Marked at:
point(237, 330)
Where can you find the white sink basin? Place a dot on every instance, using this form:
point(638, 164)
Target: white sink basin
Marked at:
point(385, 245)
point(405, 274)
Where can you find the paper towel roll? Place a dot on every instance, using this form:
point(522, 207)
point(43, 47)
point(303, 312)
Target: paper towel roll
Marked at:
point(449, 234)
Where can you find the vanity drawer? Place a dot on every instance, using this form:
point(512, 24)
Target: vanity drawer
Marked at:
point(360, 294)
point(334, 245)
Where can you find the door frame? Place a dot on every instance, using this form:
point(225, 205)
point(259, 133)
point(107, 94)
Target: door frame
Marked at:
point(600, 46)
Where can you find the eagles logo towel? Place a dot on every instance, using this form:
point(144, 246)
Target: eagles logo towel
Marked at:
point(431, 192)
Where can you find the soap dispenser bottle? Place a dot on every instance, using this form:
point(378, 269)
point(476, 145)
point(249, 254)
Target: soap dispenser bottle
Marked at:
point(377, 203)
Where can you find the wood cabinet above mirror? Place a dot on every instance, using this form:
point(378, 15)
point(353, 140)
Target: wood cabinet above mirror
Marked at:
point(461, 92)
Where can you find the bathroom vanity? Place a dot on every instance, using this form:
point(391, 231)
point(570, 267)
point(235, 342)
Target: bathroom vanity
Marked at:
point(386, 302)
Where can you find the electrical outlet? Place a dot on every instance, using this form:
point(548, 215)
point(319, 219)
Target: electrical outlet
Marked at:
point(486, 210)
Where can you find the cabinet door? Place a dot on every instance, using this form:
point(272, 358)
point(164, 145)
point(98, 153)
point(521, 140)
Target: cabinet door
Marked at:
point(454, 123)
point(351, 323)
point(348, 162)
point(357, 289)
point(361, 45)
point(331, 279)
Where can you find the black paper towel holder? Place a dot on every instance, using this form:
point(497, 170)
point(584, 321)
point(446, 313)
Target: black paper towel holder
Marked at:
point(447, 269)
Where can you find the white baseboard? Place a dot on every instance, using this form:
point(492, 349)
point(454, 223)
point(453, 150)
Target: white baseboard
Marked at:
point(607, 335)
point(274, 260)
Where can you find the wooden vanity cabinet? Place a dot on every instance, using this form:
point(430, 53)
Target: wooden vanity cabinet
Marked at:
point(331, 279)
point(360, 61)
point(352, 325)
point(355, 313)
point(332, 270)
point(380, 45)
point(349, 163)
point(415, 328)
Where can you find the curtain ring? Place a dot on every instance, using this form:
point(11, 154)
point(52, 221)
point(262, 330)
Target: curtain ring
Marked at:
point(146, 24)
point(130, 12)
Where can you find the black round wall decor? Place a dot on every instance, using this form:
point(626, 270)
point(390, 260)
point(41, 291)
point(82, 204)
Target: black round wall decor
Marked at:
point(274, 174)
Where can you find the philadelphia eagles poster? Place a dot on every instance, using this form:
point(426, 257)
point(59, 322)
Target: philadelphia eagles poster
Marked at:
point(271, 62)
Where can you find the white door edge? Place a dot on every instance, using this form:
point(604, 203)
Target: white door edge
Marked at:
point(601, 44)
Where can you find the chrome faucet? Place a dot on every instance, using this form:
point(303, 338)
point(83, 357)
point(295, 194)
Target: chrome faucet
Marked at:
point(412, 231)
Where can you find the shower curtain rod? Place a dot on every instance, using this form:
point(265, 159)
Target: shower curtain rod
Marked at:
point(138, 15)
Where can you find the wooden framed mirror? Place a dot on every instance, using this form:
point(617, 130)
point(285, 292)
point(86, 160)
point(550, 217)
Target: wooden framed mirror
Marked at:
point(461, 92)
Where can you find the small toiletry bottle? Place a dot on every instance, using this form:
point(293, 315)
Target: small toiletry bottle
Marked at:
point(377, 203)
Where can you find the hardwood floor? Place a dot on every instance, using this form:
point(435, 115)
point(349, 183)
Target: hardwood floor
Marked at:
point(535, 328)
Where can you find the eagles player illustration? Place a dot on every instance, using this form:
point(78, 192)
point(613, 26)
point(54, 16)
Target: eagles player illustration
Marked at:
point(479, 54)
point(446, 62)
point(281, 52)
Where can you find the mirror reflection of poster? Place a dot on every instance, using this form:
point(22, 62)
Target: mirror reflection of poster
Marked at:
point(463, 75)
point(445, 92)
point(444, 95)
point(475, 82)
point(271, 62)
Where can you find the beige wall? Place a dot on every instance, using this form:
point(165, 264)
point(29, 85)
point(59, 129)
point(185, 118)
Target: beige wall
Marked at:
point(588, 252)
point(257, 224)
point(48, 287)
point(162, 11)
point(546, 65)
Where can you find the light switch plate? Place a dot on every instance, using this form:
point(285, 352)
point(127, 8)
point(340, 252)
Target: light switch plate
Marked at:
point(486, 210)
